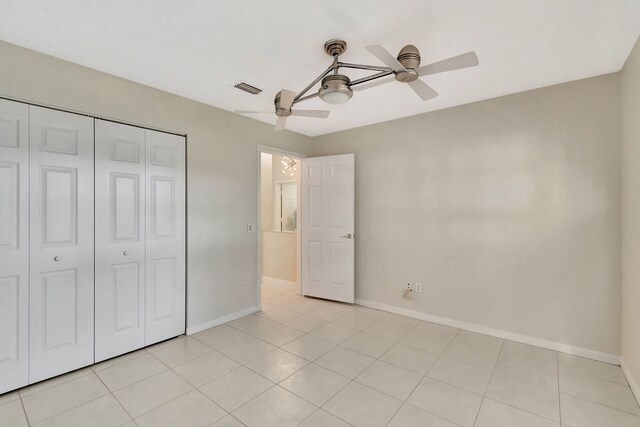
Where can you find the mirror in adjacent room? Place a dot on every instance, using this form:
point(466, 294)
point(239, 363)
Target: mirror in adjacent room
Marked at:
point(287, 206)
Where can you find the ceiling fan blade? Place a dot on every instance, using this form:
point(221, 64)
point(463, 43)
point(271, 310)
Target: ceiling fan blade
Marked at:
point(383, 55)
point(373, 83)
point(253, 112)
point(286, 98)
point(280, 123)
point(423, 90)
point(466, 60)
point(320, 114)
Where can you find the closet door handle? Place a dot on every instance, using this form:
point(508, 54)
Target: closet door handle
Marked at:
point(347, 236)
point(125, 253)
point(56, 258)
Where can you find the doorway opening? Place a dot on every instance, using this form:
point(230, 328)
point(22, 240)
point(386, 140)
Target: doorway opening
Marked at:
point(279, 226)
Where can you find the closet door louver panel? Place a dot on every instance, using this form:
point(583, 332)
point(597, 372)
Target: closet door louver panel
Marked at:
point(14, 245)
point(120, 239)
point(165, 290)
point(61, 242)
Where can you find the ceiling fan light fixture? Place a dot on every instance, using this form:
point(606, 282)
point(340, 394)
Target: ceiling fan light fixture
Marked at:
point(335, 89)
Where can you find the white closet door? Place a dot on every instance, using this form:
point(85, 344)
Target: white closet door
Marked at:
point(165, 288)
point(14, 245)
point(61, 278)
point(120, 239)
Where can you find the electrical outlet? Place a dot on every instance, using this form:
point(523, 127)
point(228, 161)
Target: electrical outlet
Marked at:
point(241, 286)
point(419, 288)
point(406, 294)
point(251, 228)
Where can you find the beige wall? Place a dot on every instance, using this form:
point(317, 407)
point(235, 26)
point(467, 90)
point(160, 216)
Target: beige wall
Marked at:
point(631, 218)
point(279, 255)
point(221, 166)
point(506, 210)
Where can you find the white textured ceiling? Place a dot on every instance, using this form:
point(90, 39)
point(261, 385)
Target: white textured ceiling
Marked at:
point(200, 48)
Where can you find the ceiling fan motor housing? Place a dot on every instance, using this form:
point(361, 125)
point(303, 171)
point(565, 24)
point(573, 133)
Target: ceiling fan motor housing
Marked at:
point(334, 84)
point(409, 57)
point(281, 112)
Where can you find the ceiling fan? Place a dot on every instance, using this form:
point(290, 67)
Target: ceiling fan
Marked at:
point(283, 102)
point(337, 88)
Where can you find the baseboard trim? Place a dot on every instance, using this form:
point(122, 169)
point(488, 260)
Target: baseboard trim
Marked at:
point(632, 382)
point(221, 320)
point(525, 339)
point(275, 281)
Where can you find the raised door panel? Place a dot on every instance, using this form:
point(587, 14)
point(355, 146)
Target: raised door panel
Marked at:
point(59, 210)
point(60, 309)
point(14, 245)
point(165, 260)
point(120, 239)
point(61, 242)
point(9, 205)
point(162, 279)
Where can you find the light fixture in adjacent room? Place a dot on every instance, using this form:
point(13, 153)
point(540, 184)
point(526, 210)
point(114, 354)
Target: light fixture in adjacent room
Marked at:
point(289, 166)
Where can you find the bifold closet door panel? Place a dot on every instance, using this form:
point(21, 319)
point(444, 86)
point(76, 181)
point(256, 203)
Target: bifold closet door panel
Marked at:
point(61, 242)
point(120, 238)
point(14, 245)
point(165, 290)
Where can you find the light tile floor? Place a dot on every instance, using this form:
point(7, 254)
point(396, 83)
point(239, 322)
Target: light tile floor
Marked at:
point(308, 362)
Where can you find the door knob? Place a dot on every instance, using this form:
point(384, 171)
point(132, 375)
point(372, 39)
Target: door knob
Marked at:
point(125, 253)
point(56, 258)
point(347, 236)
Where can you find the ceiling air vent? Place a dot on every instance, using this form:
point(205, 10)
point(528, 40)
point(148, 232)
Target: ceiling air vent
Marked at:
point(248, 88)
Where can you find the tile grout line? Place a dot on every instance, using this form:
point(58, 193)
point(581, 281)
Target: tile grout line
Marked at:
point(54, 378)
point(601, 404)
point(139, 381)
point(320, 409)
point(72, 408)
point(115, 398)
point(426, 375)
point(484, 395)
point(26, 417)
point(558, 376)
point(310, 362)
point(376, 359)
point(194, 388)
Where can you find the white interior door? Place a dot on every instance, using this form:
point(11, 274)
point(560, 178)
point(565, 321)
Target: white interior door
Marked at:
point(14, 245)
point(120, 239)
point(327, 227)
point(165, 269)
point(61, 242)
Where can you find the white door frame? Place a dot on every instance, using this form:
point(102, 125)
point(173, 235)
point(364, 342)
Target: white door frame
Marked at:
point(278, 151)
